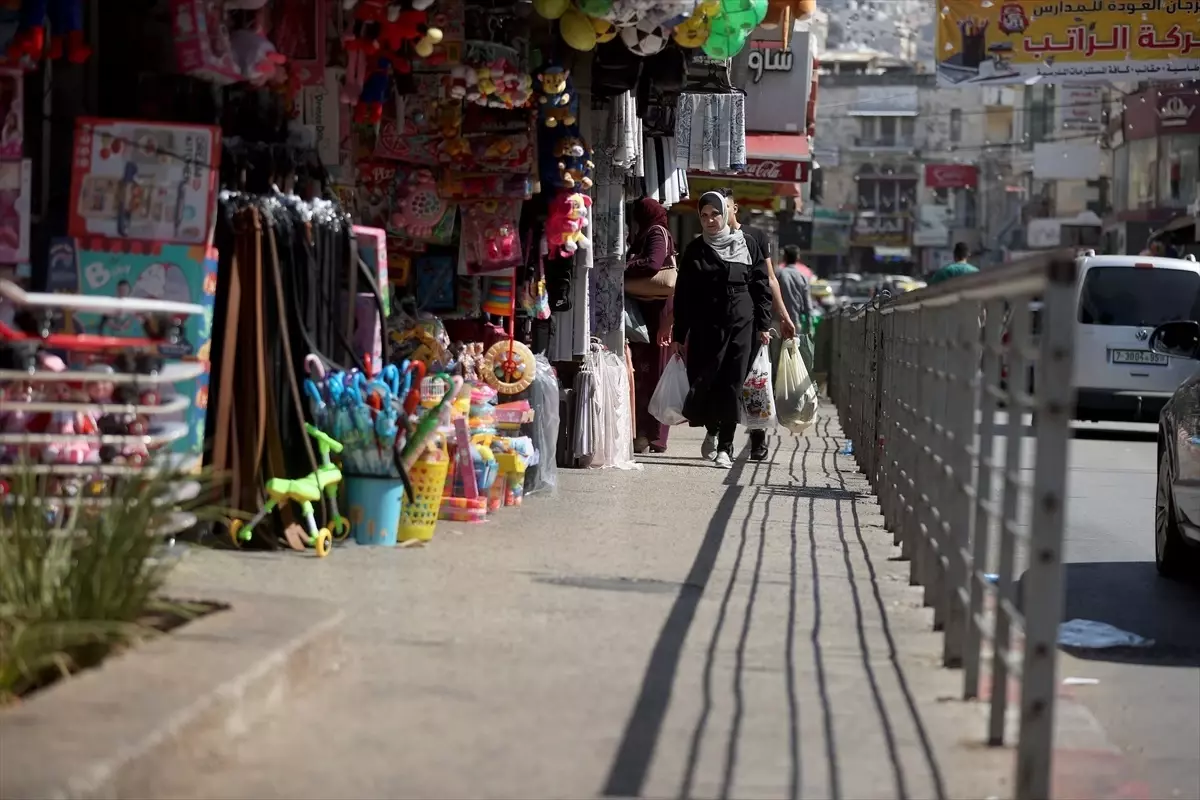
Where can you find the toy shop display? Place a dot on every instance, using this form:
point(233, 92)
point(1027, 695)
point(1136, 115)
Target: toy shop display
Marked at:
point(15, 194)
point(12, 114)
point(87, 410)
point(151, 271)
point(144, 180)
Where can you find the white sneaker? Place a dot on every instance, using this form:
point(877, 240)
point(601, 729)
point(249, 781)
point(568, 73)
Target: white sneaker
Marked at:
point(723, 460)
point(709, 449)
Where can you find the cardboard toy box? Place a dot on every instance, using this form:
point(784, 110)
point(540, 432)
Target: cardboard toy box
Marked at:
point(160, 272)
point(150, 181)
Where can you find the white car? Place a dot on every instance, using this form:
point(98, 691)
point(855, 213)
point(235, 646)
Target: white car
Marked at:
point(1121, 300)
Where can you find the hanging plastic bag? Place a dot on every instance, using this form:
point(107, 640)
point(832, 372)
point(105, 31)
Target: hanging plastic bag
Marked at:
point(666, 404)
point(758, 397)
point(795, 393)
point(543, 397)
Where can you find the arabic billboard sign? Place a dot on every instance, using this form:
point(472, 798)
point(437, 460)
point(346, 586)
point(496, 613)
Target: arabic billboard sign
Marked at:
point(1089, 41)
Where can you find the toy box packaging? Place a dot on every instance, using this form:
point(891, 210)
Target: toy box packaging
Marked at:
point(15, 188)
point(144, 180)
point(202, 46)
point(12, 113)
point(158, 272)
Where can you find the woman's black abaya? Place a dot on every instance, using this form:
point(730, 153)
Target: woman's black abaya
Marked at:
point(719, 308)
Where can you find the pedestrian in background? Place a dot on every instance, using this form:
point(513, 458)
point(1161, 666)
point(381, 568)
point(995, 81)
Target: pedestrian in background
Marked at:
point(651, 248)
point(797, 299)
point(960, 266)
point(722, 316)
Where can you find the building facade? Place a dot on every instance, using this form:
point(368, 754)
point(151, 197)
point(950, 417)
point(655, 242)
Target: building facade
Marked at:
point(901, 166)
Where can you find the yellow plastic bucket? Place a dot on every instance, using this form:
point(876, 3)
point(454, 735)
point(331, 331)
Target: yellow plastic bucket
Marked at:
point(418, 519)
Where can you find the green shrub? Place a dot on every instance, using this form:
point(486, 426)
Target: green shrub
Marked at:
point(70, 594)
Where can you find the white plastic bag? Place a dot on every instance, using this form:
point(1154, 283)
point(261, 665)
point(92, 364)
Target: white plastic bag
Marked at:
point(666, 404)
point(795, 393)
point(758, 398)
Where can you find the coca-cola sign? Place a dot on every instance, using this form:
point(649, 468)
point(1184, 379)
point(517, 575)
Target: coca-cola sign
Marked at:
point(768, 170)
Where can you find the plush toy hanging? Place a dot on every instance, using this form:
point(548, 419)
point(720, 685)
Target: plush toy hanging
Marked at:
point(66, 26)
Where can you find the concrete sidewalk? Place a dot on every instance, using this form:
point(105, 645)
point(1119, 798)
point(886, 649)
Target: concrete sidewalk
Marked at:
point(678, 631)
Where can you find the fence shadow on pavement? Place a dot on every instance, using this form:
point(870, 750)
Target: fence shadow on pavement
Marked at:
point(1131, 596)
point(635, 754)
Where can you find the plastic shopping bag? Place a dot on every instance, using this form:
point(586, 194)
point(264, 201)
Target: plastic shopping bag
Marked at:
point(635, 324)
point(758, 398)
point(795, 393)
point(666, 404)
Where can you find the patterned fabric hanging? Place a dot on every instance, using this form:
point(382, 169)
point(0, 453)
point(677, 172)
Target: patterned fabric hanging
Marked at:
point(710, 132)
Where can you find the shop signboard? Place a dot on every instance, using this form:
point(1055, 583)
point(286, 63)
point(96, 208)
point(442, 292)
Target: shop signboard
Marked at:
point(933, 226)
point(766, 170)
point(1163, 111)
point(749, 194)
point(777, 82)
point(1088, 41)
point(951, 176)
point(881, 230)
point(1081, 109)
point(830, 232)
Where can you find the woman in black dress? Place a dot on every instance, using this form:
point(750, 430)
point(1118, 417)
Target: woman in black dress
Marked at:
point(722, 315)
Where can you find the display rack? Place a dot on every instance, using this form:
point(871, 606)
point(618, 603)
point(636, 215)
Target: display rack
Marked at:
point(85, 411)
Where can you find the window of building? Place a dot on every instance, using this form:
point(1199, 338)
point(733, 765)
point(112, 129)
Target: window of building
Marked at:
point(1143, 173)
point(1179, 170)
point(908, 129)
point(956, 124)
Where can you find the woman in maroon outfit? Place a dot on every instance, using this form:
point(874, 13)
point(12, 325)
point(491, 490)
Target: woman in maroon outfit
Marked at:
point(650, 250)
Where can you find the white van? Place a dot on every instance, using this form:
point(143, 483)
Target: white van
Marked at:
point(1121, 299)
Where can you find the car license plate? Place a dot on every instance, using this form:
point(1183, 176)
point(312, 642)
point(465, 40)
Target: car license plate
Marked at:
point(1145, 357)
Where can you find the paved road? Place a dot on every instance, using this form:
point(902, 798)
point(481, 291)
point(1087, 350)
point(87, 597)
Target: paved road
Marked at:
point(1148, 701)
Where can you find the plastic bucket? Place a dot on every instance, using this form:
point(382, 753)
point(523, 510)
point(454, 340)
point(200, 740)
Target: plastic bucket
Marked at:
point(374, 509)
point(428, 476)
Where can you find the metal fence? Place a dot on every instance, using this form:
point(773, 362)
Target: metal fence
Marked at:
point(957, 399)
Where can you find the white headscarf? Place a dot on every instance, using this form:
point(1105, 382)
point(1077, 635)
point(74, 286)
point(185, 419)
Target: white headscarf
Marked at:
point(730, 245)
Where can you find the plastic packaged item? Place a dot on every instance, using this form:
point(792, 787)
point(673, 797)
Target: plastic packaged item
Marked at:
point(544, 399)
point(758, 398)
point(795, 393)
point(666, 404)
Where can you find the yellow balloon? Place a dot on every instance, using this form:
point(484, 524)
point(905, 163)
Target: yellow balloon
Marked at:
point(605, 30)
point(577, 30)
point(692, 32)
point(551, 9)
point(709, 8)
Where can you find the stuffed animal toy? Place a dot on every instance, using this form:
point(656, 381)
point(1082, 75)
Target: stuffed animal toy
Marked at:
point(66, 26)
point(409, 29)
point(557, 104)
point(574, 163)
point(369, 109)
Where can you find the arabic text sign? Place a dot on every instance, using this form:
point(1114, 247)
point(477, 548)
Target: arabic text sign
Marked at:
point(1011, 41)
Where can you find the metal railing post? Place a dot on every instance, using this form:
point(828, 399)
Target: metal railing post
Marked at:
point(1043, 582)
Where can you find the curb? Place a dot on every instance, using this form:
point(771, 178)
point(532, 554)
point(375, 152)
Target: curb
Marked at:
point(116, 731)
point(1086, 764)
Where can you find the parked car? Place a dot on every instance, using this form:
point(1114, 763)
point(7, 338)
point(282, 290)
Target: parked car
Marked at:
point(1177, 498)
point(1120, 300)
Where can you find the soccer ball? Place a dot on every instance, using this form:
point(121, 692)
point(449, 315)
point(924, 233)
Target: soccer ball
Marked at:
point(645, 38)
point(605, 30)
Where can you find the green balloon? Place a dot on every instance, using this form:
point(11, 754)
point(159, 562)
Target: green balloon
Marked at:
point(759, 7)
point(734, 6)
point(595, 8)
point(738, 20)
point(723, 42)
